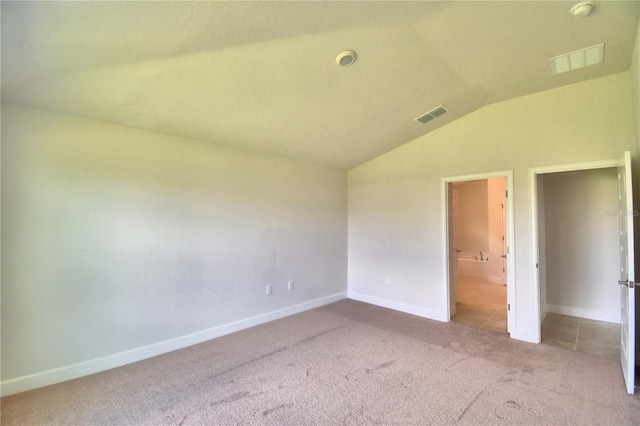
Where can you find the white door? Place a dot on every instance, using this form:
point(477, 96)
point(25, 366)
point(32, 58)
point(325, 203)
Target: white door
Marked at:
point(627, 274)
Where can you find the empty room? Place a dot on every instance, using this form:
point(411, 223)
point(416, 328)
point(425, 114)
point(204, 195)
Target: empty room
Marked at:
point(247, 212)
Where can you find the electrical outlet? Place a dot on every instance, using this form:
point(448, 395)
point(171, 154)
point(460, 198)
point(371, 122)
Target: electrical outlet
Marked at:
point(290, 285)
point(268, 290)
point(387, 280)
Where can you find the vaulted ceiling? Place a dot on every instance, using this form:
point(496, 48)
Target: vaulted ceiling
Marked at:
point(262, 76)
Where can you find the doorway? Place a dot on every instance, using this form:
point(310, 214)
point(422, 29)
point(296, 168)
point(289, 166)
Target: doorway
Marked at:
point(578, 227)
point(623, 214)
point(478, 219)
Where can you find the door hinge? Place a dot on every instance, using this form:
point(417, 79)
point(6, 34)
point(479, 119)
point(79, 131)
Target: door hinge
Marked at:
point(536, 265)
point(506, 193)
point(508, 306)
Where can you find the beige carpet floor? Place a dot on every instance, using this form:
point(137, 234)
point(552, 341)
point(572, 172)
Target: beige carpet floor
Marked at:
point(347, 363)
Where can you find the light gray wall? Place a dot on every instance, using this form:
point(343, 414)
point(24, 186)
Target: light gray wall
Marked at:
point(582, 244)
point(115, 238)
point(396, 224)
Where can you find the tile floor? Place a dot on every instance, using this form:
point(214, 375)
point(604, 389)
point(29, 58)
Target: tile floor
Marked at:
point(483, 304)
point(582, 335)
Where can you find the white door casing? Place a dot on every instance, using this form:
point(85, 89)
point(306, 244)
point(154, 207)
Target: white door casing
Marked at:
point(509, 228)
point(627, 273)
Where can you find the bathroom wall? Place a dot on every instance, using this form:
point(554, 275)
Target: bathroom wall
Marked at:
point(473, 220)
point(480, 228)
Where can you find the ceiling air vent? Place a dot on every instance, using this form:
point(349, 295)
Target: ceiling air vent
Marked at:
point(579, 59)
point(430, 115)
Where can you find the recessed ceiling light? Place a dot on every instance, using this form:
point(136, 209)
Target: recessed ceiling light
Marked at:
point(582, 9)
point(346, 57)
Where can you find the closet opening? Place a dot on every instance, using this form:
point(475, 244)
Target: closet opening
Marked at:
point(579, 259)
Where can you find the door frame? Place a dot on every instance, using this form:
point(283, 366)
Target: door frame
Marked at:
point(509, 229)
point(534, 172)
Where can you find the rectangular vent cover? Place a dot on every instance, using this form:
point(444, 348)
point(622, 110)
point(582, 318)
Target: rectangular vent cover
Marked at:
point(579, 59)
point(430, 115)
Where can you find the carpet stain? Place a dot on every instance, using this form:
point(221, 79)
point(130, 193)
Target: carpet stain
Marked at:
point(510, 405)
point(222, 373)
point(528, 369)
point(379, 367)
point(469, 405)
point(346, 376)
point(456, 363)
point(279, 407)
point(235, 397)
point(315, 336)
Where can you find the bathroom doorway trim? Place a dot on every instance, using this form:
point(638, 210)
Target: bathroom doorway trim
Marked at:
point(509, 228)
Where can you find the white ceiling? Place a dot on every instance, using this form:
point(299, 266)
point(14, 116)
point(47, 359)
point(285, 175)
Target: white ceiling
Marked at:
point(262, 76)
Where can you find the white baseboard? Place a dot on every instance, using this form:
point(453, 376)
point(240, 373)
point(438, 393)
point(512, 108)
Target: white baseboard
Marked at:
point(613, 317)
point(74, 371)
point(543, 314)
point(399, 306)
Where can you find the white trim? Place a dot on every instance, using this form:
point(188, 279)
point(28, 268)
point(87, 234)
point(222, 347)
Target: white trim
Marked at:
point(544, 313)
point(613, 317)
point(398, 306)
point(572, 167)
point(535, 254)
point(533, 202)
point(444, 209)
point(510, 230)
point(74, 371)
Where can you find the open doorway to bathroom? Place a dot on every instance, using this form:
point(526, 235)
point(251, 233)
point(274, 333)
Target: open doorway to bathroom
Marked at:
point(478, 245)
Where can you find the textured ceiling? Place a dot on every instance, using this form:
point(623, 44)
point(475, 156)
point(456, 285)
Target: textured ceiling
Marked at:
point(262, 76)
